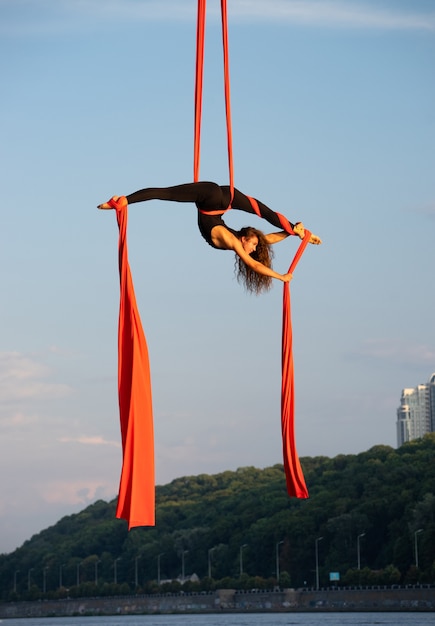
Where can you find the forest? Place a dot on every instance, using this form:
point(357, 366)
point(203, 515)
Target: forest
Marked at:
point(369, 520)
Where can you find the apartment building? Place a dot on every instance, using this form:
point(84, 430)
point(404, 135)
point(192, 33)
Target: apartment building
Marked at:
point(416, 413)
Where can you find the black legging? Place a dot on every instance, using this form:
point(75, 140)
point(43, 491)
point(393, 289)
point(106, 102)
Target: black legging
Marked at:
point(207, 197)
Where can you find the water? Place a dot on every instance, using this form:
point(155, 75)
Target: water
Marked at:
point(245, 619)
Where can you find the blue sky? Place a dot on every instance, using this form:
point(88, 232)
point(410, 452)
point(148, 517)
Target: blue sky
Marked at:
point(333, 109)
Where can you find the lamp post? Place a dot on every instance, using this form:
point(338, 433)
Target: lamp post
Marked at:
point(60, 575)
point(15, 580)
point(241, 557)
point(417, 532)
point(209, 561)
point(277, 560)
point(136, 578)
point(96, 571)
point(78, 574)
point(29, 578)
point(115, 570)
point(317, 561)
point(358, 549)
point(182, 565)
point(158, 566)
point(44, 579)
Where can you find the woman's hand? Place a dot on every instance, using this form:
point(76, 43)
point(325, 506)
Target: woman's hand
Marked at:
point(286, 278)
point(299, 230)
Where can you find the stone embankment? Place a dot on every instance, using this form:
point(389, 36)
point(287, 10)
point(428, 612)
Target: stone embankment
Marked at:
point(420, 598)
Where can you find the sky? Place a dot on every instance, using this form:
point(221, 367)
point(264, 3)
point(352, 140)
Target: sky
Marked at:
point(333, 114)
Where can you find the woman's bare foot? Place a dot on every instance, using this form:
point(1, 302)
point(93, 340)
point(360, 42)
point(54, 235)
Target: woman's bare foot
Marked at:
point(299, 230)
point(116, 202)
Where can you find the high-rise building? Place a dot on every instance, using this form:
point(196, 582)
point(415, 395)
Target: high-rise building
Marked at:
point(431, 384)
point(416, 413)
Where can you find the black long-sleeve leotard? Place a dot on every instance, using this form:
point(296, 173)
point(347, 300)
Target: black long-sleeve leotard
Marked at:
point(207, 197)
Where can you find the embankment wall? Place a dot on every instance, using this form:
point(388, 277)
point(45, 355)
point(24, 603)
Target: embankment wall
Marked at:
point(229, 600)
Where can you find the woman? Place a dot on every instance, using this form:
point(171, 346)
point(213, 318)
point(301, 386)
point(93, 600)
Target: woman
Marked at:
point(252, 247)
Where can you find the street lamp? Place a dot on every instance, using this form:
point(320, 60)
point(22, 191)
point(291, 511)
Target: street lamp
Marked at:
point(277, 560)
point(417, 532)
point(182, 565)
point(44, 579)
point(317, 561)
point(209, 561)
point(241, 557)
point(136, 579)
point(158, 566)
point(358, 549)
point(115, 570)
point(96, 571)
point(15, 580)
point(60, 575)
point(28, 578)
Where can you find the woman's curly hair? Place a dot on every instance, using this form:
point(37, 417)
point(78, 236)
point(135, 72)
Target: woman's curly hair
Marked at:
point(253, 282)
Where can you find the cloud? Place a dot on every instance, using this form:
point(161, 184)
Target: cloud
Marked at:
point(334, 14)
point(396, 351)
point(52, 15)
point(61, 352)
point(14, 365)
point(315, 12)
point(21, 379)
point(74, 493)
point(89, 441)
point(18, 420)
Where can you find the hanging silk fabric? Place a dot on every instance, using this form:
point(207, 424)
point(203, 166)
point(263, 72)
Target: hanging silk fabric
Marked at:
point(200, 40)
point(136, 498)
point(294, 475)
point(295, 481)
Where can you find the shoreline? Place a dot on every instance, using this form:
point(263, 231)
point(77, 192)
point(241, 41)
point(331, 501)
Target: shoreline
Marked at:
point(416, 599)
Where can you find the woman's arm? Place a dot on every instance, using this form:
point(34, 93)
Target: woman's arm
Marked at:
point(225, 240)
point(276, 237)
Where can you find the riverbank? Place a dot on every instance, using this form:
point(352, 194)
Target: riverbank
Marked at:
point(230, 600)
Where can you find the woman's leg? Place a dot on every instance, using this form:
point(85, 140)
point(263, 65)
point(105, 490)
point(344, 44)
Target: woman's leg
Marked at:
point(242, 202)
point(204, 194)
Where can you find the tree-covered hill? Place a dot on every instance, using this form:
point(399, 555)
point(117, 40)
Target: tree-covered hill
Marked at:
point(371, 509)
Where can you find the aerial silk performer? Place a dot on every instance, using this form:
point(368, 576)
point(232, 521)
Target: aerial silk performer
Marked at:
point(254, 269)
point(251, 246)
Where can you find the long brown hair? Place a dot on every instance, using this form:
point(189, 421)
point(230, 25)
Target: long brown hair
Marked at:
point(253, 282)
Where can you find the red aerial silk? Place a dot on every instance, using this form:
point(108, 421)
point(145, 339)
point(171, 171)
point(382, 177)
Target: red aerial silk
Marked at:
point(200, 41)
point(293, 471)
point(296, 486)
point(136, 499)
point(200, 37)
